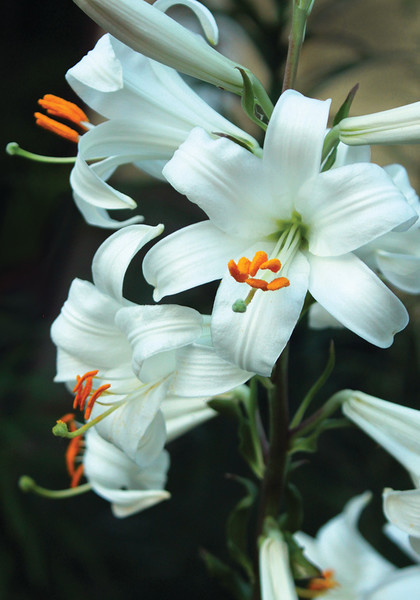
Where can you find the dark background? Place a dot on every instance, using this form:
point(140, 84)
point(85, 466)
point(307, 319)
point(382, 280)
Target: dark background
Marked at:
point(75, 548)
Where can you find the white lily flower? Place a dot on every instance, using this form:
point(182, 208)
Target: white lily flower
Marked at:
point(352, 564)
point(396, 428)
point(119, 480)
point(275, 576)
point(308, 221)
point(395, 126)
point(146, 29)
point(148, 354)
point(151, 111)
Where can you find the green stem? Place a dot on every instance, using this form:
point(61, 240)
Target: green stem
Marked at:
point(274, 478)
point(14, 149)
point(333, 404)
point(27, 484)
point(330, 142)
point(301, 10)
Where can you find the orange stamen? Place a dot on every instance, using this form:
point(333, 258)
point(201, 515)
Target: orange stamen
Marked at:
point(58, 107)
point(80, 380)
point(326, 582)
point(235, 272)
point(243, 265)
point(93, 399)
point(58, 128)
point(273, 265)
point(259, 258)
point(259, 284)
point(278, 283)
point(72, 451)
point(75, 480)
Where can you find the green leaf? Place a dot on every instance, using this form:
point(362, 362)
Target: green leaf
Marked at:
point(302, 568)
point(227, 577)
point(310, 443)
point(248, 99)
point(237, 527)
point(292, 519)
point(320, 382)
point(244, 411)
point(344, 109)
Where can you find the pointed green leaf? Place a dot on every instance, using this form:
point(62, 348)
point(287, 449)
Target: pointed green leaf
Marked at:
point(227, 577)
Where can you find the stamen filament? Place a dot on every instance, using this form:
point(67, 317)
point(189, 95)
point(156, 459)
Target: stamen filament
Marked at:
point(27, 484)
point(61, 430)
point(14, 149)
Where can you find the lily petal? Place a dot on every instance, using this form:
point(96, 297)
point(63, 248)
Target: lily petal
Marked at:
point(255, 339)
point(189, 257)
point(393, 426)
point(183, 414)
point(111, 260)
point(275, 575)
point(137, 427)
point(293, 145)
point(201, 372)
point(350, 206)
point(403, 510)
point(99, 217)
point(225, 180)
point(356, 297)
point(400, 270)
point(404, 583)
point(155, 329)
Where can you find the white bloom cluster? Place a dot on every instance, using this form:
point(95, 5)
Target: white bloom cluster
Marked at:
point(303, 217)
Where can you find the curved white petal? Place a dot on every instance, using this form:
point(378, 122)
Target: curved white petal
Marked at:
point(393, 426)
point(347, 207)
point(119, 480)
point(275, 575)
point(200, 372)
point(189, 257)
point(137, 427)
point(255, 339)
point(402, 540)
point(226, 181)
point(400, 178)
point(293, 145)
point(401, 270)
point(207, 21)
point(356, 297)
point(85, 329)
point(98, 71)
point(183, 414)
point(111, 260)
point(339, 546)
point(99, 217)
point(348, 155)
point(404, 583)
point(155, 329)
point(151, 32)
point(403, 510)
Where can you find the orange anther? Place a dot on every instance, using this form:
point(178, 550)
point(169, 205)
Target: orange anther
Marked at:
point(236, 274)
point(80, 380)
point(58, 128)
point(273, 265)
point(58, 107)
point(259, 258)
point(326, 582)
point(93, 399)
point(278, 283)
point(259, 284)
point(243, 265)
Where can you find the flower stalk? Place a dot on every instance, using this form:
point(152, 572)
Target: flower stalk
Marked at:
point(301, 12)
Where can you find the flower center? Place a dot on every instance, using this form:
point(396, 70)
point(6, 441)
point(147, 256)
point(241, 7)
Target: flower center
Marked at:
point(244, 272)
point(58, 107)
point(324, 583)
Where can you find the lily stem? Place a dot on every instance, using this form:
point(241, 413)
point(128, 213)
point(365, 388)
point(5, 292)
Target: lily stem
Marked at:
point(273, 483)
point(301, 10)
